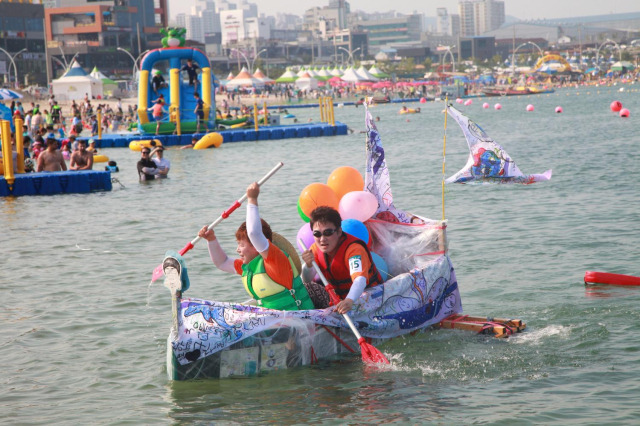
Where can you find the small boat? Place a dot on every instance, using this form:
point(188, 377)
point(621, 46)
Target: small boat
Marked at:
point(211, 339)
point(495, 91)
point(591, 277)
point(409, 111)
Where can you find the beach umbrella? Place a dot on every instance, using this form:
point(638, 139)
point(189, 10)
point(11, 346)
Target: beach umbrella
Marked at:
point(6, 94)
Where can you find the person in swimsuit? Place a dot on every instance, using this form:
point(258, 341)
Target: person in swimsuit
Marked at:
point(81, 159)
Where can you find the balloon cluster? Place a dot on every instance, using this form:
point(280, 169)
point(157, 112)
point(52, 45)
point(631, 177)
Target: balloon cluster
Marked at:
point(344, 191)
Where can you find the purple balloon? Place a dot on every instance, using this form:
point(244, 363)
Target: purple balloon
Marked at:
point(305, 234)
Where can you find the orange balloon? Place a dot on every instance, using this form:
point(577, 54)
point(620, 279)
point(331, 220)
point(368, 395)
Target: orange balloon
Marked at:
point(315, 195)
point(345, 179)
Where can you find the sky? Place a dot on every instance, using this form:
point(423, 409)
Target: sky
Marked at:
point(523, 9)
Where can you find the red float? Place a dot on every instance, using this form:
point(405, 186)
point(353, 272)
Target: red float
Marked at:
point(591, 277)
point(616, 106)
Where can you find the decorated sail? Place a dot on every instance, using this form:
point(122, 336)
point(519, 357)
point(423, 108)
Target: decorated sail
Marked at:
point(488, 162)
point(377, 180)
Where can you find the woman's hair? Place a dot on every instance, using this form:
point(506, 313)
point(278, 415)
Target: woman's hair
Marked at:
point(325, 214)
point(241, 233)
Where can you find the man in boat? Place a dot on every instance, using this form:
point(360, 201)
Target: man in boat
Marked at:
point(268, 274)
point(345, 260)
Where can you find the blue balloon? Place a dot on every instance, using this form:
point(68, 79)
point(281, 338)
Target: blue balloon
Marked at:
point(356, 228)
point(381, 266)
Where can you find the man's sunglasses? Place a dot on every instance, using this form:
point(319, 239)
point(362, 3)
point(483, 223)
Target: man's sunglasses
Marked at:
point(326, 233)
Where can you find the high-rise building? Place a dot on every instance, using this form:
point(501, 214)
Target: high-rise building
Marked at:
point(22, 37)
point(96, 30)
point(480, 16)
point(447, 24)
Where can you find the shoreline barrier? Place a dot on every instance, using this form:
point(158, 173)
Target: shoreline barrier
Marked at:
point(236, 135)
point(51, 183)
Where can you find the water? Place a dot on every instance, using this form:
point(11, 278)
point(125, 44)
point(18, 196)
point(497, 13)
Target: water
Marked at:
point(84, 333)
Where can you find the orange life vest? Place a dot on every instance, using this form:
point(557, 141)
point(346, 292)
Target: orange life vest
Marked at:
point(337, 273)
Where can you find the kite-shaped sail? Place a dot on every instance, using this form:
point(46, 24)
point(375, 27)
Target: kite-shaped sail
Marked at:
point(377, 179)
point(488, 162)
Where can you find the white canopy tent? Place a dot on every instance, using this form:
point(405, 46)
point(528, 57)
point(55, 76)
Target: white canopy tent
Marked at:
point(244, 79)
point(351, 76)
point(306, 82)
point(75, 83)
point(365, 75)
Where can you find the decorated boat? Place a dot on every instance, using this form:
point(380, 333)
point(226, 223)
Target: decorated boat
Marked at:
point(515, 91)
point(211, 339)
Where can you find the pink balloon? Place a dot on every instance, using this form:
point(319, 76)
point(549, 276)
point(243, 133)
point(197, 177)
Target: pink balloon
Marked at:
point(423, 100)
point(497, 106)
point(459, 100)
point(530, 107)
point(305, 234)
point(558, 109)
point(468, 102)
point(624, 113)
point(485, 105)
point(358, 205)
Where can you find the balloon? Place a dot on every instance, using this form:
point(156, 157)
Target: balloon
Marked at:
point(624, 113)
point(558, 109)
point(497, 106)
point(301, 213)
point(616, 106)
point(485, 105)
point(381, 265)
point(315, 195)
point(458, 100)
point(345, 179)
point(306, 235)
point(356, 228)
point(468, 102)
point(359, 205)
point(530, 107)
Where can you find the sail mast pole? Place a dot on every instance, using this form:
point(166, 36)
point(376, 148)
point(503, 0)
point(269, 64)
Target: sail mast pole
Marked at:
point(444, 149)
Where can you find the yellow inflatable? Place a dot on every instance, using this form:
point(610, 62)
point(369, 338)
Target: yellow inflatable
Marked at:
point(207, 141)
point(410, 111)
point(100, 158)
point(137, 145)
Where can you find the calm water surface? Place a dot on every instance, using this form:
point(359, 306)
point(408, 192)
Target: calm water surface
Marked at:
point(84, 333)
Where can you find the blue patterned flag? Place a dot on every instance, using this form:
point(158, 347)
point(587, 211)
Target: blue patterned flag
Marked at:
point(488, 162)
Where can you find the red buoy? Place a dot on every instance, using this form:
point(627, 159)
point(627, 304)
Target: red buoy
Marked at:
point(616, 106)
point(591, 277)
point(624, 113)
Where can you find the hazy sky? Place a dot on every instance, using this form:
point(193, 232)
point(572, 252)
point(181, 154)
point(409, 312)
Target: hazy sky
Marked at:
point(523, 9)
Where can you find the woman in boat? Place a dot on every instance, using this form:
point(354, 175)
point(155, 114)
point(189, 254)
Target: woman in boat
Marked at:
point(268, 274)
point(345, 260)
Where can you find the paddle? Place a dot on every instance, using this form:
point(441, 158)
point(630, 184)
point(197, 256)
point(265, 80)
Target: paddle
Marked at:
point(157, 272)
point(369, 353)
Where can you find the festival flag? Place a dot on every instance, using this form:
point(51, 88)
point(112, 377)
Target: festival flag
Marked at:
point(488, 162)
point(377, 179)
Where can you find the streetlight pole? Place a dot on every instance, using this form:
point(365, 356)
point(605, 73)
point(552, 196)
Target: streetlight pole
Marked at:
point(350, 52)
point(453, 59)
point(243, 55)
point(254, 59)
point(15, 67)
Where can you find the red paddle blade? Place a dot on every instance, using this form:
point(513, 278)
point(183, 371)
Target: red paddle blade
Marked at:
point(370, 354)
point(157, 273)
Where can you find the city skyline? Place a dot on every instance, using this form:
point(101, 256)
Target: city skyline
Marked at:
point(522, 9)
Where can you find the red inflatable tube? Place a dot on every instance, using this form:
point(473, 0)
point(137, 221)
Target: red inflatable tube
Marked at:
point(591, 277)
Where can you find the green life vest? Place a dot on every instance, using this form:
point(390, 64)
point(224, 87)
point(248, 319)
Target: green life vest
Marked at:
point(295, 299)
